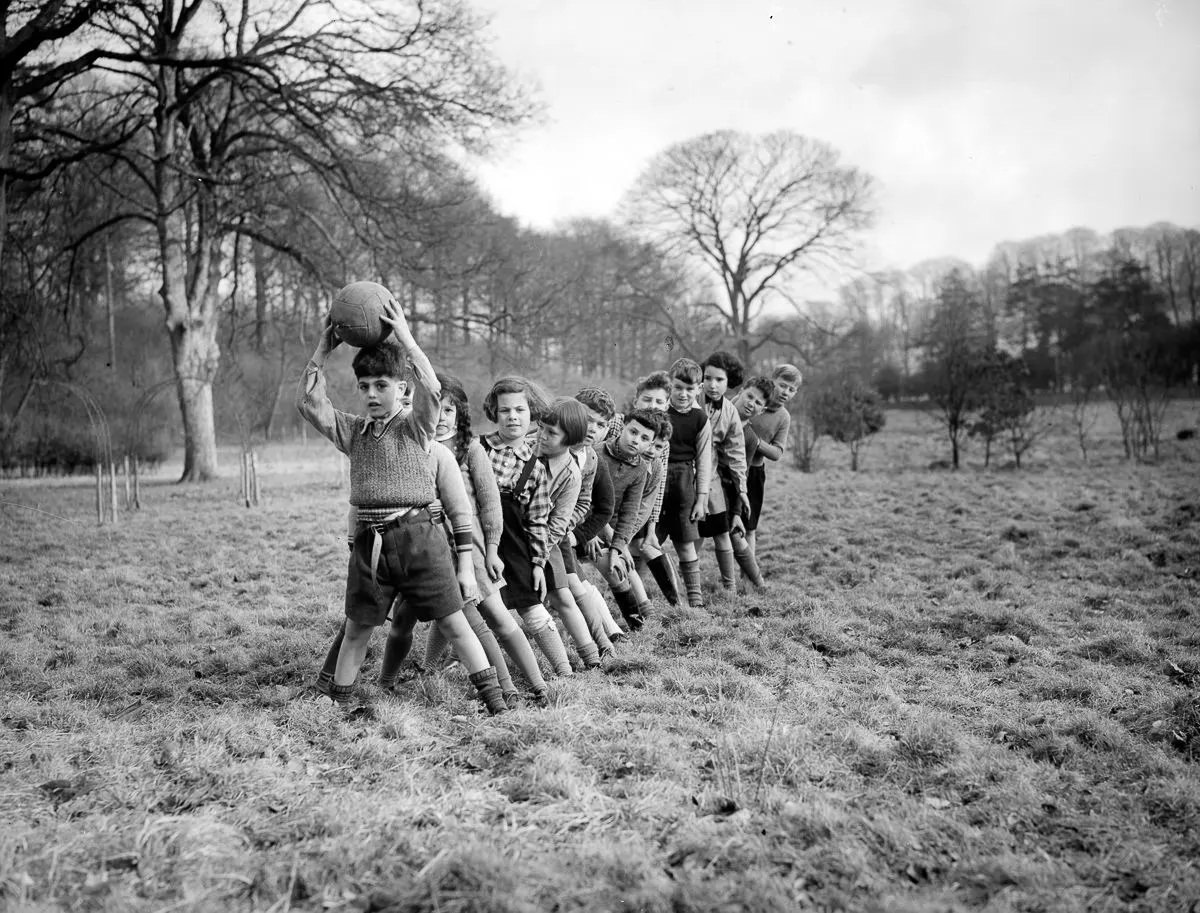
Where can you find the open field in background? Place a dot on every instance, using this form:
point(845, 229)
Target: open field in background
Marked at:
point(974, 690)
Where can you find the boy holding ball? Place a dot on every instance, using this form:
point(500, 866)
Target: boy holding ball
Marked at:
point(399, 547)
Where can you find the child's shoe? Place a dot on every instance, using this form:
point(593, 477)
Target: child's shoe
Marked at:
point(512, 699)
point(540, 698)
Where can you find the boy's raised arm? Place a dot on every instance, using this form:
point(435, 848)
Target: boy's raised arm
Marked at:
point(426, 400)
point(312, 399)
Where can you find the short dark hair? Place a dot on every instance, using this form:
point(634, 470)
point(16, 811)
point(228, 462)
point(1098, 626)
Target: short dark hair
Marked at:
point(383, 360)
point(729, 363)
point(515, 384)
point(665, 428)
point(647, 418)
point(570, 415)
point(762, 384)
point(686, 370)
point(598, 400)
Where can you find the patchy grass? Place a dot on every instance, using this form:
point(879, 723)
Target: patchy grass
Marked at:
point(973, 690)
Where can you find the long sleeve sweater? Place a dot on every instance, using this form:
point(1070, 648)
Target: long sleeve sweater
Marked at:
point(602, 504)
point(564, 491)
point(452, 492)
point(629, 486)
point(484, 492)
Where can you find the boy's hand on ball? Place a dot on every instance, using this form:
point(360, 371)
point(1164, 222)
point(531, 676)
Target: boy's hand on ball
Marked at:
point(329, 337)
point(394, 317)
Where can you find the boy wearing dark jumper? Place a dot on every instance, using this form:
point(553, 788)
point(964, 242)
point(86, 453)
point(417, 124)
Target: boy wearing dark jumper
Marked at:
point(689, 474)
point(398, 549)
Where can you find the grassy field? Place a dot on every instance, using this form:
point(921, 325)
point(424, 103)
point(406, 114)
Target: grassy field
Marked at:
point(975, 690)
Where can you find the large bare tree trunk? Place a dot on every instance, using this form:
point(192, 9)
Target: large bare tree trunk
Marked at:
point(195, 352)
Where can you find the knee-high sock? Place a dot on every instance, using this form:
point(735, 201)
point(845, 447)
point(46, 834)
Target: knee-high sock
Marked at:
point(325, 676)
point(572, 618)
point(398, 644)
point(508, 632)
point(435, 648)
point(540, 625)
point(747, 561)
point(690, 570)
point(727, 566)
point(491, 647)
point(660, 570)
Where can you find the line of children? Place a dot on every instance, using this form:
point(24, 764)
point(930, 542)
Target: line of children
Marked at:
point(399, 545)
point(551, 487)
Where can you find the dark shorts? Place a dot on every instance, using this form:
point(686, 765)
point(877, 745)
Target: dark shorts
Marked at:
point(675, 522)
point(756, 483)
point(415, 563)
point(723, 505)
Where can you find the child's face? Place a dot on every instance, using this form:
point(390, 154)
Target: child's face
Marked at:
point(447, 425)
point(750, 402)
point(635, 439)
point(660, 446)
point(653, 399)
point(597, 427)
point(784, 391)
point(512, 416)
point(683, 394)
point(552, 440)
point(716, 382)
point(381, 396)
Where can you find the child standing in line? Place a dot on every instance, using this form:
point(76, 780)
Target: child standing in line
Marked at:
point(513, 404)
point(752, 398)
point(565, 425)
point(622, 457)
point(653, 393)
point(489, 619)
point(728, 497)
point(771, 426)
point(689, 474)
point(397, 547)
point(593, 510)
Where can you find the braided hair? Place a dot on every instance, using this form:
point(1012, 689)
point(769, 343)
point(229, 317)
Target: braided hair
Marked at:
point(452, 389)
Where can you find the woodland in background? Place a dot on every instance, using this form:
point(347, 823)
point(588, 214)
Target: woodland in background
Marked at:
point(139, 174)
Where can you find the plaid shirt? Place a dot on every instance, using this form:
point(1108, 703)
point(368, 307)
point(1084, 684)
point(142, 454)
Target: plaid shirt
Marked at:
point(534, 499)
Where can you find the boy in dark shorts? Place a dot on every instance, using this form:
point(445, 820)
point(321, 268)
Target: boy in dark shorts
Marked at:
point(399, 548)
point(689, 474)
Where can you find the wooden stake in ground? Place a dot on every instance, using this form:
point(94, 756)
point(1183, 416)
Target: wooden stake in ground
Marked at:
point(99, 495)
point(245, 478)
point(255, 491)
point(125, 474)
point(112, 490)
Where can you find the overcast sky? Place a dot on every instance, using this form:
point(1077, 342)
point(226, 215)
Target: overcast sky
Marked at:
point(981, 120)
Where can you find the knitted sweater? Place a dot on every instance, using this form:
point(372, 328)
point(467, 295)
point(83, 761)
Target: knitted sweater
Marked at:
point(389, 463)
point(629, 487)
point(453, 494)
point(483, 492)
point(771, 427)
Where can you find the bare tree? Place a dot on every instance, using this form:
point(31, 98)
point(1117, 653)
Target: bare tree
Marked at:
point(754, 210)
point(241, 103)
